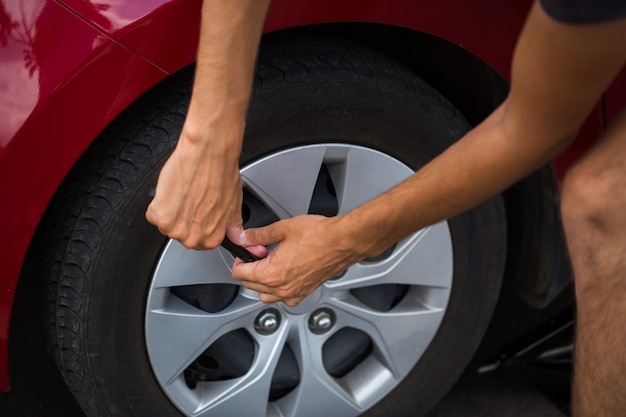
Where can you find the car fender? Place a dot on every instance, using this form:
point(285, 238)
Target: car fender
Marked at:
point(61, 82)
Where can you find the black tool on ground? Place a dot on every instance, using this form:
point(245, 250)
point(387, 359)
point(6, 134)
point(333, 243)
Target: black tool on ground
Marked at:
point(238, 251)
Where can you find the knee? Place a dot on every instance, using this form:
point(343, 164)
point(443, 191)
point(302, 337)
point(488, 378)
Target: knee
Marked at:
point(588, 201)
point(591, 210)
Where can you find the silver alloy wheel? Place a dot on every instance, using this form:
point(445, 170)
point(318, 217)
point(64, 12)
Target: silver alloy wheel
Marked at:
point(177, 333)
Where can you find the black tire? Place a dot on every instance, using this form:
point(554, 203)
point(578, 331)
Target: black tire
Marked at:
point(104, 254)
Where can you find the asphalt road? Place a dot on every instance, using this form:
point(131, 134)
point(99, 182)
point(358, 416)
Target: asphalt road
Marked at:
point(499, 396)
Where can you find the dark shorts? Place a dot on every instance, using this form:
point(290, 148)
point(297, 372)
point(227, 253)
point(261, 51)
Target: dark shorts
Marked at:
point(585, 11)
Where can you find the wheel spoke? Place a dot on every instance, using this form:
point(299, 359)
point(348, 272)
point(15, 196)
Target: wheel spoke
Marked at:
point(363, 175)
point(287, 195)
point(424, 259)
point(319, 397)
point(400, 336)
point(182, 266)
point(248, 395)
point(178, 333)
point(318, 394)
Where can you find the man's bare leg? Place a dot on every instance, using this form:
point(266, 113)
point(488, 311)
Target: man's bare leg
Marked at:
point(594, 217)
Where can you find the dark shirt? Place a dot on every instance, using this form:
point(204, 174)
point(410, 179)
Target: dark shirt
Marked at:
point(585, 11)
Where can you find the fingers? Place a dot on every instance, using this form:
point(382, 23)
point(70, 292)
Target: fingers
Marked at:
point(258, 276)
point(198, 196)
point(245, 271)
point(236, 234)
point(161, 212)
point(251, 238)
point(205, 231)
point(155, 216)
point(269, 298)
point(258, 250)
point(267, 294)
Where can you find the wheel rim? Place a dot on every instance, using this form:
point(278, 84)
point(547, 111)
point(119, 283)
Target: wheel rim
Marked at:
point(216, 350)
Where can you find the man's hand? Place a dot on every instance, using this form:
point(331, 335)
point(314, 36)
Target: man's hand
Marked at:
point(311, 250)
point(198, 195)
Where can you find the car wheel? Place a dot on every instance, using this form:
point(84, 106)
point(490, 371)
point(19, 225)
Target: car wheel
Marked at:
point(142, 326)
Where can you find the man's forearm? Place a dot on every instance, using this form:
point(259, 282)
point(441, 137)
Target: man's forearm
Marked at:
point(443, 188)
point(227, 50)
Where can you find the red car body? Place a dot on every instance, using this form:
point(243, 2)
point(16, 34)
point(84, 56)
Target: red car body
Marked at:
point(68, 68)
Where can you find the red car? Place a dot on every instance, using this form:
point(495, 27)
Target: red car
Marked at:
point(350, 98)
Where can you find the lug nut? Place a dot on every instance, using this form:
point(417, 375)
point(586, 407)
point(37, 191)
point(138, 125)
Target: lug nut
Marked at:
point(268, 321)
point(321, 321)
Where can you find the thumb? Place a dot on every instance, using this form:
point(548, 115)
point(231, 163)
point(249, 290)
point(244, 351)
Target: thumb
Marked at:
point(268, 235)
point(249, 271)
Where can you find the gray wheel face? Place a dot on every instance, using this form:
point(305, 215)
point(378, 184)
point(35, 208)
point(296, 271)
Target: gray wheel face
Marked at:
point(338, 352)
